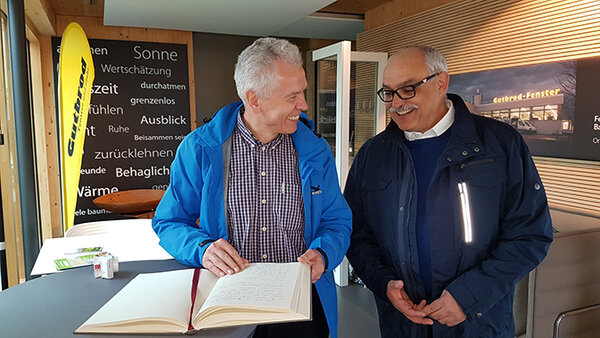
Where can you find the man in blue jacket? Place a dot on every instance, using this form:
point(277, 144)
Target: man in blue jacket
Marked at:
point(254, 185)
point(449, 212)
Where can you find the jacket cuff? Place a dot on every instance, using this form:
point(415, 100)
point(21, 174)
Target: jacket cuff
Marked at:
point(206, 241)
point(325, 259)
point(379, 286)
point(465, 298)
point(202, 248)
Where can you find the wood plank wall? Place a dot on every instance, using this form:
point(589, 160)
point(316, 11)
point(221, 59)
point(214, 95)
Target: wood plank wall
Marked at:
point(394, 10)
point(482, 35)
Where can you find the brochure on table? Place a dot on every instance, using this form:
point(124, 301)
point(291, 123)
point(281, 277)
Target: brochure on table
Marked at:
point(127, 247)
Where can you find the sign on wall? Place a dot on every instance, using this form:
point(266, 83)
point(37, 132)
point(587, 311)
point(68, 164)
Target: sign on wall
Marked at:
point(553, 105)
point(139, 113)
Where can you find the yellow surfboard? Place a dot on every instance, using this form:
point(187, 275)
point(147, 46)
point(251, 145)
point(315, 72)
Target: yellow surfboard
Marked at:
point(75, 78)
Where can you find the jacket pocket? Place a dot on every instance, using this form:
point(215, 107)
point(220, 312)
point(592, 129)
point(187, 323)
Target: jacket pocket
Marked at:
point(487, 172)
point(376, 182)
point(480, 192)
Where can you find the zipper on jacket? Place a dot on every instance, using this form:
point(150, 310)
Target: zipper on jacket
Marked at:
point(465, 205)
point(408, 217)
point(468, 164)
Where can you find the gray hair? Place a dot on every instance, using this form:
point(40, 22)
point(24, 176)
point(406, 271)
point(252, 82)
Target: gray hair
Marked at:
point(255, 69)
point(434, 60)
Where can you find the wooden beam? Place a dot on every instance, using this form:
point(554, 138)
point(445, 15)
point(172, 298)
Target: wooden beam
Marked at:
point(41, 15)
point(352, 6)
point(43, 158)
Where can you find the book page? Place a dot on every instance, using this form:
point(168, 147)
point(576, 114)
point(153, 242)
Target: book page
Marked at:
point(262, 284)
point(206, 282)
point(303, 303)
point(161, 298)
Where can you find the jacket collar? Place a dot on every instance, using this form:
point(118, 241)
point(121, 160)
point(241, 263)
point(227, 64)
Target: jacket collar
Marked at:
point(305, 141)
point(463, 143)
point(463, 130)
point(221, 126)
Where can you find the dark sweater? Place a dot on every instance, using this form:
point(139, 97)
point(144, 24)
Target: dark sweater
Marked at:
point(425, 154)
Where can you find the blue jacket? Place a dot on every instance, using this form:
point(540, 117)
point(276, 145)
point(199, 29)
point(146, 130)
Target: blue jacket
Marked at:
point(196, 192)
point(511, 227)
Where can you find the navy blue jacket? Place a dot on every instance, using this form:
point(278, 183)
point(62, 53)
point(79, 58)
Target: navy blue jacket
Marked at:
point(511, 226)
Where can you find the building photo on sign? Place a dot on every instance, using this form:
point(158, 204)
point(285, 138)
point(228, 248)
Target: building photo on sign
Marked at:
point(537, 100)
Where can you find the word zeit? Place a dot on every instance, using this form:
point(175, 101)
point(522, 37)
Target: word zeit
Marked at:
point(105, 89)
point(528, 95)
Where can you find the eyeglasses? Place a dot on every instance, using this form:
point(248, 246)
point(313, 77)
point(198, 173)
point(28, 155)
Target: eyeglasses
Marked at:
point(404, 93)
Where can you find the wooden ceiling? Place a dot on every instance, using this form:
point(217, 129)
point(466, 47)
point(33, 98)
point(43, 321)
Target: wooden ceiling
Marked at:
point(92, 8)
point(95, 8)
point(352, 6)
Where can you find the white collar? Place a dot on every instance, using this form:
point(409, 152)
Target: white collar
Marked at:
point(444, 124)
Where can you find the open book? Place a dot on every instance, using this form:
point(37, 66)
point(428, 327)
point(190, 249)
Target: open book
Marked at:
point(162, 302)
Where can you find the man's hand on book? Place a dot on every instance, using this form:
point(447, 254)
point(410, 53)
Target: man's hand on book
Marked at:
point(315, 260)
point(222, 259)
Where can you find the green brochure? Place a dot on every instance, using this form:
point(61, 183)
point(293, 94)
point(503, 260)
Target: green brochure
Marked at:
point(72, 262)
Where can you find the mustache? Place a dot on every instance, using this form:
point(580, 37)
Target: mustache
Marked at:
point(403, 110)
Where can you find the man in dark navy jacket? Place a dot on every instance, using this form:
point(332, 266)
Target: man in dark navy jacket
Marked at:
point(449, 212)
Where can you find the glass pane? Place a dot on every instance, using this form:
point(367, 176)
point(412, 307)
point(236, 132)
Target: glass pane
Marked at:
point(525, 113)
point(326, 100)
point(551, 112)
point(363, 83)
point(363, 88)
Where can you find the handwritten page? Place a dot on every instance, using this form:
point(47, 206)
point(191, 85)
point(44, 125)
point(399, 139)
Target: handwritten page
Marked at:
point(160, 302)
point(258, 285)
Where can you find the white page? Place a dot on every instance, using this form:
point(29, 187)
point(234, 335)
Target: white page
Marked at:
point(206, 282)
point(305, 303)
point(265, 284)
point(151, 295)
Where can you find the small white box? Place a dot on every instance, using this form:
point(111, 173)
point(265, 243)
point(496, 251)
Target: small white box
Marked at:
point(105, 266)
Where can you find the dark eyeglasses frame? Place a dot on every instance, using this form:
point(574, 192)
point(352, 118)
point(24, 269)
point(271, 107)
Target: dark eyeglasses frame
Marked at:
point(382, 91)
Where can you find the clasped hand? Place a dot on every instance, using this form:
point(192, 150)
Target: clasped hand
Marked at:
point(445, 309)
